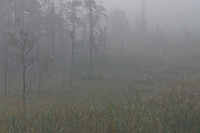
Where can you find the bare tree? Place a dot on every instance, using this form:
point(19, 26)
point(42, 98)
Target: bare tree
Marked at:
point(72, 60)
point(43, 68)
point(95, 12)
point(186, 34)
point(53, 29)
point(142, 21)
point(75, 21)
point(73, 38)
point(24, 43)
point(160, 38)
point(5, 51)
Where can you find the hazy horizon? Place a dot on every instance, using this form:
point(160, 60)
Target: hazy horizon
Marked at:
point(170, 14)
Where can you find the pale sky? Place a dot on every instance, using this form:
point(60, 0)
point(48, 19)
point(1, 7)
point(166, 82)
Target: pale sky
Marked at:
point(171, 14)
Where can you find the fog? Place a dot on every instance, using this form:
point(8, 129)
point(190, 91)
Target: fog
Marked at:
point(85, 66)
point(172, 15)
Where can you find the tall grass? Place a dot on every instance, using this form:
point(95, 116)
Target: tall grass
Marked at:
point(145, 93)
point(173, 112)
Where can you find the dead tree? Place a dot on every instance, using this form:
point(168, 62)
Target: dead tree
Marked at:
point(24, 44)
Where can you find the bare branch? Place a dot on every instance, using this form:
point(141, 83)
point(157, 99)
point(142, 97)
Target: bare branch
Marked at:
point(33, 43)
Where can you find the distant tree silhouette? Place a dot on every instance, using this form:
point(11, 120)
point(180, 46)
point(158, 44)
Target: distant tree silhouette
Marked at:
point(24, 42)
point(142, 19)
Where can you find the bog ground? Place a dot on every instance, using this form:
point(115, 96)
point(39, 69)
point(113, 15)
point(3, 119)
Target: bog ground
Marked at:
point(139, 92)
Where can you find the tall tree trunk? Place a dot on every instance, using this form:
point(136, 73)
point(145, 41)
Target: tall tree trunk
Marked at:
point(24, 81)
point(9, 81)
point(67, 35)
point(6, 65)
point(61, 44)
point(40, 63)
point(104, 43)
point(61, 28)
point(63, 74)
point(73, 45)
point(91, 40)
point(6, 71)
point(40, 77)
point(53, 31)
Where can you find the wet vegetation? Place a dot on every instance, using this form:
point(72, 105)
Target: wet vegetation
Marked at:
point(140, 93)
point(70, 66)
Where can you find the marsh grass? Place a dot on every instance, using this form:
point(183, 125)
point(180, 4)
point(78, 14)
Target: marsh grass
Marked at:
point(146, 93)
point(173, 110)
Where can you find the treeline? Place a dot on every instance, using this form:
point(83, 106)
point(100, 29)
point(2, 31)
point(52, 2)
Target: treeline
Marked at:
point(65, 36)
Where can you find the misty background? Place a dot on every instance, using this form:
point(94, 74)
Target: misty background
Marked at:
point(172, 15)
point(80, 37)
point(73, 38)
point(100, 66)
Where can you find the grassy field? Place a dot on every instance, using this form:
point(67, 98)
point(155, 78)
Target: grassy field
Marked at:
point(139, 92)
